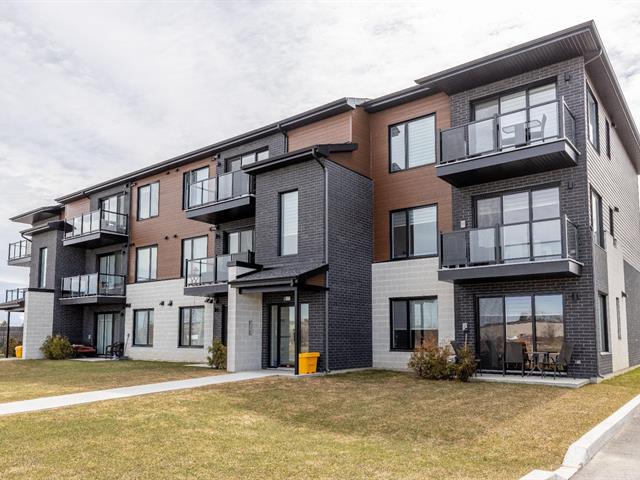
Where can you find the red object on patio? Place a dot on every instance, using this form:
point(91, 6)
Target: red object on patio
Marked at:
point(83, 350)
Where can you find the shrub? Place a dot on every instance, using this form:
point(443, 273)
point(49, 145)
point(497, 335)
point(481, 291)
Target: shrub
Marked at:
point(466, 366)
point(56, 348)
point(217, 357)
point(431, 361)
point(13, 343)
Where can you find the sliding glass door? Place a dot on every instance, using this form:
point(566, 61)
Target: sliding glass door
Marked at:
point(104, 332)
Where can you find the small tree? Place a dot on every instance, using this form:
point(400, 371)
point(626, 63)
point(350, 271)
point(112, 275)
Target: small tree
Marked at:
point(56, 348)
point(466, 366)
point(217, 357)
point(431, 361)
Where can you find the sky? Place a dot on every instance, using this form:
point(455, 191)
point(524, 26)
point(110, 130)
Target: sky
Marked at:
point(92, 90)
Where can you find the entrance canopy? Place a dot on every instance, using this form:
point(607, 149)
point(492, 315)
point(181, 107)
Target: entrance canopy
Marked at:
point(283, 278)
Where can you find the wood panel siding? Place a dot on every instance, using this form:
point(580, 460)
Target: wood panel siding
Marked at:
point(171, 226)
point(77, 207)
point(346, 127)
point(410, 188)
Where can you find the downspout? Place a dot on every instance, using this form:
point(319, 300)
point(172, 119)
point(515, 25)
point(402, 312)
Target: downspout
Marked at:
point(314, 153)
point(286, 137)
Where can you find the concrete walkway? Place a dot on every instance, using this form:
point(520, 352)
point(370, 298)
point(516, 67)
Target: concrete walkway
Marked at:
point(620, 458)
point(59, 401)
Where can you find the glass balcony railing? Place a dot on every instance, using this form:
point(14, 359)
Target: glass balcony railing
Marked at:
point(521, 242)
point(93, 284)
point(521, 128)
point(97, 221)
point(18, 250)
point(14, 295)
point(221, 187)
point(207, 271)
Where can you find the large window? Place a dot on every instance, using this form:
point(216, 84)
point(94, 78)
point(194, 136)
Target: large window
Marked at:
point(596, 219)
point(414, 232)
point(592, 120)
point(413, 321)
point(143, 328)
point(113, 204)
point(603, 323)
point(148, 200)
point(192, 327)
point(289, 223)
point(413, 143)
point(193, 195)
point(42, 268)
point(235, 163)
point(193, 249)
point(241, 241)
point(536, 322)
point(146, 263)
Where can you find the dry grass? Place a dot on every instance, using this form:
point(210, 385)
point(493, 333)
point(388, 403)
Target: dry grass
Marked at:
point(372, 424)
point(24, 379)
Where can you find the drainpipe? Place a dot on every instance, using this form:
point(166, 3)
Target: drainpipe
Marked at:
point(286, 137)
point(314, 153)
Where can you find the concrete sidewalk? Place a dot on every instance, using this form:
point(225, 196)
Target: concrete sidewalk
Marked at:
point(59, 401)
point(620, 458)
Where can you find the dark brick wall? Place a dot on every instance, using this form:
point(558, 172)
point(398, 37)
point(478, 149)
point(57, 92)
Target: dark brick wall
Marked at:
point(349, 275)
point(276, 144)
point(578, 294)
point(632, 302)
point(229, 227)
point(218, 315)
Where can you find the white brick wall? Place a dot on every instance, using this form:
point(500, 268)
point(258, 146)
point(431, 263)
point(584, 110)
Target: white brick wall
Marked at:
point(244, 329)
point(407, 278)
point(618, 339)
point(166, 321)
point(38, 322)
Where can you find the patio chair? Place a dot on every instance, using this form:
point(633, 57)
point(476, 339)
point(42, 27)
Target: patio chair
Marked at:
point(115, 350)
point(515, 354)
point(456, 349)
point(562, 360)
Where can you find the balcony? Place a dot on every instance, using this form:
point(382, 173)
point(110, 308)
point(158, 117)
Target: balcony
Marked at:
point(543, 248)
point(534, 139)
point(208, 276)
point(93, 289)
point(20, 254)
point(13, 300)
point(96, 229)
point(222, 198)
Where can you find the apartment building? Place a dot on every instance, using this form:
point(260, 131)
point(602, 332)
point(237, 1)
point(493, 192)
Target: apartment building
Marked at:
point(494, 203)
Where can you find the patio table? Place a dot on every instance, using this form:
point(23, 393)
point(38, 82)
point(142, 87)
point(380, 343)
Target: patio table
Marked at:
point(537, 360)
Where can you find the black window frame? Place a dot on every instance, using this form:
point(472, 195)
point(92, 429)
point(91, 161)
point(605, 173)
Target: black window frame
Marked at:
point(595, 145)
point(408, 244)
point(180, 317)
point(186, 176)
point(147, 247)
point(407, 301)
point(281, 223)
point(227, 234)
point(149, 186)
point(600, 238)
point(42, 267)
point(612, 223)
point(150, 314)
point(183, 261)
point(603, 323)
point(607, 138)
point(406, 123)
point(255, 153)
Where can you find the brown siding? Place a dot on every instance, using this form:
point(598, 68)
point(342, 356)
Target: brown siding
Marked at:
point(171, 222)
point(77, 207)
point(351, 126)
point(410, 188)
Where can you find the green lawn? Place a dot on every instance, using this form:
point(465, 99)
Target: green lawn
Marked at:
point(24, 379)
point(372, 424)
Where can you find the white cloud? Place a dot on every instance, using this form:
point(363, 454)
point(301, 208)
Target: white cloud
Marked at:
point(89, 91)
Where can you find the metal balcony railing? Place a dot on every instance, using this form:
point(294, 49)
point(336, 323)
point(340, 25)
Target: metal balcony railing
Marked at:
point(221, 187)
point(14, 295)
point(212, 270)
point(547, 239)
point(18, 250)
point(93, 284)
point(507, 132)
point(97, 221)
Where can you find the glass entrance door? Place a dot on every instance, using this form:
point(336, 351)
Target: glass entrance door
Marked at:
point(282, 351)
point(104, 332)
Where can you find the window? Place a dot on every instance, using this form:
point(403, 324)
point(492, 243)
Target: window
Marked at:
point(113, 204)
point(596, 219)
point(148, 201)
point(193, 249)
point(239, 242)
point(413, 143)
point(413, 321)
point(607, 137)
point(190, 196)
point(146, 263)
point(592, 120)
point(236, 163)
point(289, 223)
point(611, 222)
point(618, 318)
point(603, 322)
point(192, 327)
point(414, 232)
point(143, 328)
point(42, 270)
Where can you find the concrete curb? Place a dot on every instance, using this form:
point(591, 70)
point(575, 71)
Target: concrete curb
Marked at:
point(585, 448)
